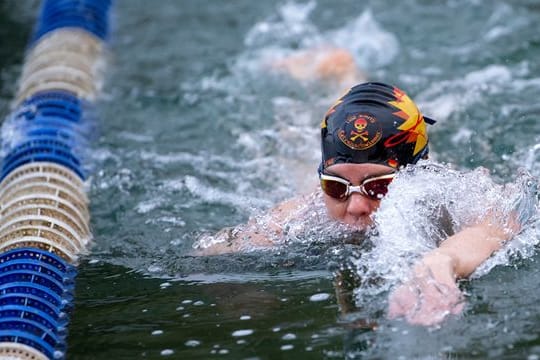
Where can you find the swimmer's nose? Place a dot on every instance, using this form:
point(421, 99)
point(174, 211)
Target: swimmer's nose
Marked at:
point(360, 206)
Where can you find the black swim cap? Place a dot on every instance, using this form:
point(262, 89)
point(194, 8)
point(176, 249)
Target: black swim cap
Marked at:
point(374, 123)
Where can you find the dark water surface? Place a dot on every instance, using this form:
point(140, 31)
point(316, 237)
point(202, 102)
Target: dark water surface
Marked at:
point(196, 134)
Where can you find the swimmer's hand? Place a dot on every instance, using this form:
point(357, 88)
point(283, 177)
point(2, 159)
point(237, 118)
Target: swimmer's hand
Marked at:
point(430, 295)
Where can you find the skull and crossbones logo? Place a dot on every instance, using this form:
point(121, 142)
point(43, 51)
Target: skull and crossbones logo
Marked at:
point(360, 125)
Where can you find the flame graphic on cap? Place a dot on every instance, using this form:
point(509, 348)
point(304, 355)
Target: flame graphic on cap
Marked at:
point(414, 123)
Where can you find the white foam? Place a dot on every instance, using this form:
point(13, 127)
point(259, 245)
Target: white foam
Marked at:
point(372, 45)
point(408, 227)
point(443, 98)
point(290, 24)
point(149, 205)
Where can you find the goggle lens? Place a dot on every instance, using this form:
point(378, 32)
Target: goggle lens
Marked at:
point(377, 188)
point(334, 188)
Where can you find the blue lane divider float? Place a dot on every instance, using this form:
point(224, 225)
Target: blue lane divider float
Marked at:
point(36, 289)
point(44, 218)
point(35, 150)
point(52, 103)
point(89, 15)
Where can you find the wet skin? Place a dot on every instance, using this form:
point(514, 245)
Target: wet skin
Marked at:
point(357, 209)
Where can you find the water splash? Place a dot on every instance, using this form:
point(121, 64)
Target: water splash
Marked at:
point(290, 26)
point(291, 31)
point(451, 96)
point(371, 44)
point(305, 228)
point(529, 158)
point(430, 202)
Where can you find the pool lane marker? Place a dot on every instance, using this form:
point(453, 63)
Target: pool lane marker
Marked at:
point(44, 216)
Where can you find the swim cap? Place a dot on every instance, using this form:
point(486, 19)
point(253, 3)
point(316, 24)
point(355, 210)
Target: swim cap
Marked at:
point(374, 123)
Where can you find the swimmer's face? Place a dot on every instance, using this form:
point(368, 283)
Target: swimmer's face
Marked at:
point(357, 209)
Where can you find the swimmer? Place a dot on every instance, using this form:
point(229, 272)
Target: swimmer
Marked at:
point(328, 64)
point(367, 137)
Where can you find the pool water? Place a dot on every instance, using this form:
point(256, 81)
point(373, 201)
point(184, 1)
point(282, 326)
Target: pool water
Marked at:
point(196, 132)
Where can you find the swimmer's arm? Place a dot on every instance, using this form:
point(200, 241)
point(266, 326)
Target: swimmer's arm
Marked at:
point(432, 293)
point(324, 63)
point(251, 236)
point(228, 241)
point(458, 256)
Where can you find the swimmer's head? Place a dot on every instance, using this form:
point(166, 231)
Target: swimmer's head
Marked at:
point(374, 123)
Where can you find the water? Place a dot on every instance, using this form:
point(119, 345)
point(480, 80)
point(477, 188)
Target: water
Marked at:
point(197, 134)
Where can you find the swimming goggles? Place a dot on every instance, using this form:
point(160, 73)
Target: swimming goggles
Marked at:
point(338, 188)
